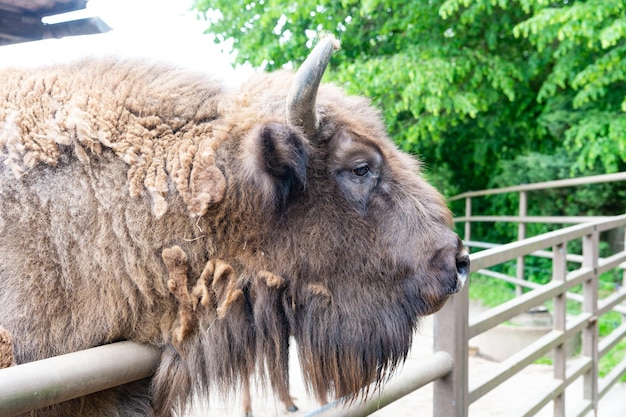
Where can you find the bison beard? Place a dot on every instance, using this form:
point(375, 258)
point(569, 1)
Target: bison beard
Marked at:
point(343, 347)
point(148, 203)
point(354, 345)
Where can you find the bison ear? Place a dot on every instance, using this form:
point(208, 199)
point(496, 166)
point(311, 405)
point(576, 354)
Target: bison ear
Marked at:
point(276, 161)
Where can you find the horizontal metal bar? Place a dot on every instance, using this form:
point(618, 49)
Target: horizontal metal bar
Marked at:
point(611, 262)
point(509, 251)
point(556, 387)
point(574, 372)
point(583, 409)
point(521, 359)
point(611, 340)
point(611, 302)
point(482, 245)
point(613, 223)
point(550, 392)
point(50, 381)
point(507, 278)
point(605, 384)
point(570, 182)
point(576, 369)
point(406, 382)
point(531, 219)
point(512, 308)
point(570, 257)
point(515, 363)
point(519, 305)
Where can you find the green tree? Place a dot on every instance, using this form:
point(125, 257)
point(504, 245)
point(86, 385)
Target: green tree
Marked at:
point(584, 87)
point(466, 84)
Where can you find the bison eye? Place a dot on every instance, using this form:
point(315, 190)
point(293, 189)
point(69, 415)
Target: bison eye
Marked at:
point(361, 170)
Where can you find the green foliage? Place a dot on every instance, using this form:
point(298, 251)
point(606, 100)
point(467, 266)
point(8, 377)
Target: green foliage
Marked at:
point(490, 292)
point(467, 85)
point(587, 41)
point(452, 90)
point(575, 201)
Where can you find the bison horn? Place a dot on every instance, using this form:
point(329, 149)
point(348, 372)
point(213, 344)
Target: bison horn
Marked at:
point(301, 98)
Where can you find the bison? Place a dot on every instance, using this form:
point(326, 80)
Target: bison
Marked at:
point(141, 201)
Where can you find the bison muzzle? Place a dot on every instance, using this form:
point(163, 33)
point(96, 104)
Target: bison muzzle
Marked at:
point(144, 202)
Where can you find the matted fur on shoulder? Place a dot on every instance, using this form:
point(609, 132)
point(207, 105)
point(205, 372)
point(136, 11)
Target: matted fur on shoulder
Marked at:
point(152, 116)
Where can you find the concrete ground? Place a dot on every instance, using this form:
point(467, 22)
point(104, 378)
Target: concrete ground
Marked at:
point(508, 399)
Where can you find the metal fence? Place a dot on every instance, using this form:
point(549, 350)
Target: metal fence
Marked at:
point(573, 277)
point(523, 219)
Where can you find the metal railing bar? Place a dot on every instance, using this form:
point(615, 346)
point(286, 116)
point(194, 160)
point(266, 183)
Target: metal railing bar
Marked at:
point(584, 408)
point(574, 372)
point(531, 219)
point(570, 182)
point(611, 262)
point(482, 245)
point(611, 302)
point(611, 340)
point(50, 381)
point(519, 305)
point(578, 323)
point(610, 379)
point(579, 367)
point(571, 257)
point(403, 384)
point(578, 276)
point(551, 391)
point(613, 223)
point(507, 278)
point(556, 387)
point(450, 335)
point(590, 334)
point(515, 363)
point(509, 251)
point(512, 308)
point(528, 355)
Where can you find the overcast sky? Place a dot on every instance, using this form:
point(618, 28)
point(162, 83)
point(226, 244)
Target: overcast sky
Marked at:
point(166, 29)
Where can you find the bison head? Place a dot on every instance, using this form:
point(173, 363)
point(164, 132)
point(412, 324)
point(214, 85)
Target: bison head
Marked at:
point(361, 241)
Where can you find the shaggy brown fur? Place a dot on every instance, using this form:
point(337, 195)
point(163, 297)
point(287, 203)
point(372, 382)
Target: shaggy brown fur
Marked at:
point(6, 349)
point(144, 202)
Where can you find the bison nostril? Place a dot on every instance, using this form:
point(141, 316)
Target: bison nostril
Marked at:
point(463, 266)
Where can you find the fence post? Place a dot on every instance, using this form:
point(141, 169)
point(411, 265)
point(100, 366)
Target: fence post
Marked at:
point(590, 305)
point(559, 271)
point(624, 274)
point(521, 235)
point(468, 224)
point(450, 393)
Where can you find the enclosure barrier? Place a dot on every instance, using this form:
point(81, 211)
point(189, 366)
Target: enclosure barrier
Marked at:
point(585, 323)
point(49, 381)
point(403, 384)
point(522, 219)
